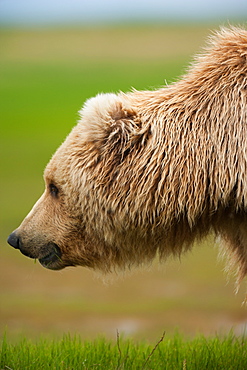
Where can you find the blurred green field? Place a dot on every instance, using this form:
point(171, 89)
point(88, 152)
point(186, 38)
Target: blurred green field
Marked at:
point(45, 76)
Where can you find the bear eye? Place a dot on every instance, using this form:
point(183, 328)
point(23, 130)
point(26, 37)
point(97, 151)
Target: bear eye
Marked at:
point(53, 190)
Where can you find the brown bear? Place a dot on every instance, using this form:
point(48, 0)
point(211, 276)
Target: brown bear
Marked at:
point(149, 173)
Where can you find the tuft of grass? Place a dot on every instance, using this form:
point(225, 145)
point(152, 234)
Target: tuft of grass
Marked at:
point(70, 352)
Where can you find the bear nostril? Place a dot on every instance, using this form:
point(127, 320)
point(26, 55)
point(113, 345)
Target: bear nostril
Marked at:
point(13, 240)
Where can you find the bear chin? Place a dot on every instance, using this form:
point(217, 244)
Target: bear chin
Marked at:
point(51, 265)
point(52, 260)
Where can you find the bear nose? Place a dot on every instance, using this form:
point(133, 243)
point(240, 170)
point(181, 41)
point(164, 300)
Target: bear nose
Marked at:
point(13, 240)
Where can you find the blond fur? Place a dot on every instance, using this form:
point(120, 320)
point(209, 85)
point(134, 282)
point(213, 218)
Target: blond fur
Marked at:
point(150, 172)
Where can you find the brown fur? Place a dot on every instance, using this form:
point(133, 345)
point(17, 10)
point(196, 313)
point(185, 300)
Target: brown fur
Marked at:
point(151, 172)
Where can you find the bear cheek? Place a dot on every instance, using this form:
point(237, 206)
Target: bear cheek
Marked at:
point(84, 250)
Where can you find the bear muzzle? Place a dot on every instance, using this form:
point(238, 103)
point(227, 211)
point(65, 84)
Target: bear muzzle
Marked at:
point(49, 255)
point(15, 241)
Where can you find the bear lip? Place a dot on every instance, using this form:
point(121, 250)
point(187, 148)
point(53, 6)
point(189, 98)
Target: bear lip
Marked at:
point(52, 260)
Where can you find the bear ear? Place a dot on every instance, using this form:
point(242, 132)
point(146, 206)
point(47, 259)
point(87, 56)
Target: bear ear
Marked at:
point(105, 117)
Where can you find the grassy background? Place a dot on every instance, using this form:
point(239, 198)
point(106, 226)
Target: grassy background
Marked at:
point(46, 75)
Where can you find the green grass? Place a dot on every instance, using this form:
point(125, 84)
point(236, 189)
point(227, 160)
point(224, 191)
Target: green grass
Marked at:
point(72, 353)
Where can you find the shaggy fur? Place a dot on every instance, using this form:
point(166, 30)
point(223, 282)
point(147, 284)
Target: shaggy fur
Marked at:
point(151, 172)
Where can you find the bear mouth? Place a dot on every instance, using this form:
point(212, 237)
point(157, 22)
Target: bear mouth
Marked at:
point(52, 260)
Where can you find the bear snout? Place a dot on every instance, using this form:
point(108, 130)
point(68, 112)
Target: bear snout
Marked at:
point(15, 241)
point(49, 255)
